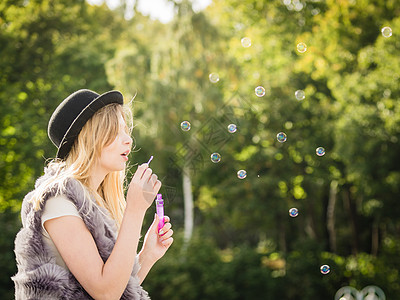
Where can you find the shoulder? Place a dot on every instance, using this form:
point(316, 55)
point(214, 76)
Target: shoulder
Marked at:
point(58, 206)
point(58, 184)
point(59, 203)
point(54, 184)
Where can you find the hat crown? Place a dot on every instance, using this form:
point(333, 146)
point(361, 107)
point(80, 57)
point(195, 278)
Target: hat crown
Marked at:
point(71, 115)
point(65, 114)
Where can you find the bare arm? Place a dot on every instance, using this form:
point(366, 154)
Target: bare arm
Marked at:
point(79, 251)
point(155, 245)
point(77, 247)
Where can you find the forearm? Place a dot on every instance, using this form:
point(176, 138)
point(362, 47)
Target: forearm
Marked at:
point(146, 262)
point(118, 267)
point(156, 243)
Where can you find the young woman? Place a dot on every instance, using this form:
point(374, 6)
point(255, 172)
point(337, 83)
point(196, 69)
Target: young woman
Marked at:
point(80, 236)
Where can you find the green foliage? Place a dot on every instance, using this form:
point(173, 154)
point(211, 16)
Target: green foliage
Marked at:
point(204, 272)
point(245, 244)
point(10, 225)
point(49, 49)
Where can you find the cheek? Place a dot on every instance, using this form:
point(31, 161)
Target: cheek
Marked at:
point(108, 152)
point(111, 148)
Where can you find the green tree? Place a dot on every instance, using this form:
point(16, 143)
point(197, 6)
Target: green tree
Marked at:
point(244, 243)
point(49, 49)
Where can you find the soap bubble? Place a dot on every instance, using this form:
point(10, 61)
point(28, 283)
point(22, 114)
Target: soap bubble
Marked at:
point(325, 269)
point(232, 128)
point(241, 174)
point(185, 126)
point(300, 95)
point(246, 42)
point(215, 157)
point(281, 137)
point(293, 212)
point(386, 32)
point(260, 91)
point(301, 47)
point(214, 78)
point(320, 151)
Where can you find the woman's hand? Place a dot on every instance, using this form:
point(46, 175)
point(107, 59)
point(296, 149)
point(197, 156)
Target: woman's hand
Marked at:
point(143, 188)
point(156, 243)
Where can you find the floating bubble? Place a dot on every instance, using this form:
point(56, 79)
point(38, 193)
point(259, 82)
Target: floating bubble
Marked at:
point(300, 95)
point(298, 6)
point(387, 93)
point(288, 125)
point(325, 269)
point(215, 157)
point(281, 137)
point(232, 128)
point(301, 47)
point(320, 151)
point(315, 11)
point(260, 91)
point(241, 174)
point(185, 126)
point(386, 32)
point(293, 212)
point(246, 42)
point(214, 77)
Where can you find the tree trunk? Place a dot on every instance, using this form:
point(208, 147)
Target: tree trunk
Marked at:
point(188, 204)
point(330, 215)
point(311, 229)
point(281, 235)
point(375, 238)
point(352, 217)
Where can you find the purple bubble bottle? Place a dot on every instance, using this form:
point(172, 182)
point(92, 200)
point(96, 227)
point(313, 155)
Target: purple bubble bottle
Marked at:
point(160, 211)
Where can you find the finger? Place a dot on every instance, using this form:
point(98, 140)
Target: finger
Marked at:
point(166, 219)
point(153, 179)
point(168, 242)
point(157, 186)
point(167, 235)
point(147, 174)
point(140, 171)
point(165, 229)
point(154, 225)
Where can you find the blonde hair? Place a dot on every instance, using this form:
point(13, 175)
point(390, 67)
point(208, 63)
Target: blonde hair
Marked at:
point(98, 132)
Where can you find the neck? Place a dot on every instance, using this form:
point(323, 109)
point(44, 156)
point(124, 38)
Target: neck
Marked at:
point(96, 178)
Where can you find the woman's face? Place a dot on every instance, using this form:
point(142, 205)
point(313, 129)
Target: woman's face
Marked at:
point(115, 155)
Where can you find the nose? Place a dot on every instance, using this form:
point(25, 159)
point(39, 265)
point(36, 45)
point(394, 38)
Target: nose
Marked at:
point(128, 139)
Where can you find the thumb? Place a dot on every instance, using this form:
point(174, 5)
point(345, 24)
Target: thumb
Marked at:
point(154, 225)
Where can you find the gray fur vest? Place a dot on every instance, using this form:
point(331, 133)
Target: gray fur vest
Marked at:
point(38, 276)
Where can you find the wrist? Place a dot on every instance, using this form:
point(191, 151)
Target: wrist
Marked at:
point(146, 258)
point(136, 209)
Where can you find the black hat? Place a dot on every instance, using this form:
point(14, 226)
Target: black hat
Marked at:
point(72, 114)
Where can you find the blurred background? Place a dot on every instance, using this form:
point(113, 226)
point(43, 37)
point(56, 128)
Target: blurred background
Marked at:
point(202, 62)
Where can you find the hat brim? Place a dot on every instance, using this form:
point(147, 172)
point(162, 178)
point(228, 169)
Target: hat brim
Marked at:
point(76, 126)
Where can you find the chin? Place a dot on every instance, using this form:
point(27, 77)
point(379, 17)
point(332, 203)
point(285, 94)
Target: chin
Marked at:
point(122, 168)
point(117, 168)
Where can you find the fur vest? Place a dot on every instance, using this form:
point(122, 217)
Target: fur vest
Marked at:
point(38, 276)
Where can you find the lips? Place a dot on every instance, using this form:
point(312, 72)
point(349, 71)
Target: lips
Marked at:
point(125, 154)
